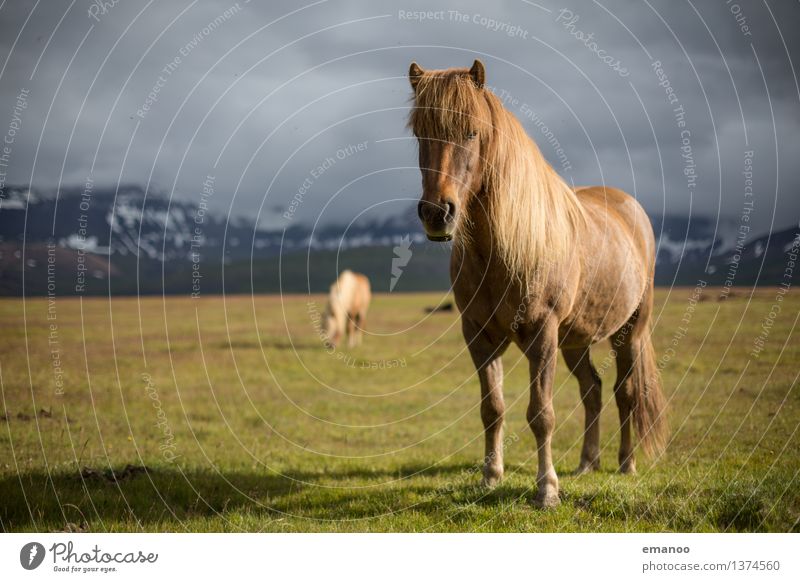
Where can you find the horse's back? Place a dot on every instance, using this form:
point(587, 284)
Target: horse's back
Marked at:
point(353, 290)
point(612, 208)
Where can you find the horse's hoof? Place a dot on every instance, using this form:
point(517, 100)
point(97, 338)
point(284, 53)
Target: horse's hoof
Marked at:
point(490, 482)
point(548, 501)
point(491, 478)
point(628, 468)
point(586, 467)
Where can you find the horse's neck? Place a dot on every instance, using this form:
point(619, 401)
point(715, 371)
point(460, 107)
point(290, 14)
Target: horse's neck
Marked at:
point(477, 240)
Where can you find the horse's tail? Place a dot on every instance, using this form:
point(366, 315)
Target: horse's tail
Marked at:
point(649, 411)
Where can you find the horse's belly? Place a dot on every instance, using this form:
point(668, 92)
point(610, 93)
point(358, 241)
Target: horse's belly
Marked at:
point(574, 334)
point(602, 307)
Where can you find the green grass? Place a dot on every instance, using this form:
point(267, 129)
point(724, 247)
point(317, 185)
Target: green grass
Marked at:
point(271, 433)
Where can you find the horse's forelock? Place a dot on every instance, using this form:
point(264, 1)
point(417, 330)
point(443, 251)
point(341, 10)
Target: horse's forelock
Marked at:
point(448, 105)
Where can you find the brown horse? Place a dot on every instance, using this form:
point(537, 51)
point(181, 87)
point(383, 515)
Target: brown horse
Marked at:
point(537, 264)
point(346, 313)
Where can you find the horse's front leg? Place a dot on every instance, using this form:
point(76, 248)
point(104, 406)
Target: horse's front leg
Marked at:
point(487, 354)
point(541, 351)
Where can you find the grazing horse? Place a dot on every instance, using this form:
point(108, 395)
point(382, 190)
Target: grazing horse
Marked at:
point(539, 264)
point(346, 313)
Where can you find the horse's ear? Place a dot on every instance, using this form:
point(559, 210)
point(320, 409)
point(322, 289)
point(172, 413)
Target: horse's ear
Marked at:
point(478, 73)
point(414, 75)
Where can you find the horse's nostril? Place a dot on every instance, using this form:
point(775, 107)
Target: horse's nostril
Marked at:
point(444, 211)
point(449, 211)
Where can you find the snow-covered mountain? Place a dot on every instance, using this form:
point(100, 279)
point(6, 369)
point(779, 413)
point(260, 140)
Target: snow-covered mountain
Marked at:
point(134, 231)
point(128, 221)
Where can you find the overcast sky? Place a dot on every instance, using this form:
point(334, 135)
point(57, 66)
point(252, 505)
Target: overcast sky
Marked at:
point(260, 94)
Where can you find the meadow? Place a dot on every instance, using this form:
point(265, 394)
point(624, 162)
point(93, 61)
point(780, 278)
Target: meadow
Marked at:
point(228, 414)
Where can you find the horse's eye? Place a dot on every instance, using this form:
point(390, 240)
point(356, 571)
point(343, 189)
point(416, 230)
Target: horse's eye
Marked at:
point(472, 135)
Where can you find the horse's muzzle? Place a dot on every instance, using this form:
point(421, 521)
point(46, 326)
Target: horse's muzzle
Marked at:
point(438, 220)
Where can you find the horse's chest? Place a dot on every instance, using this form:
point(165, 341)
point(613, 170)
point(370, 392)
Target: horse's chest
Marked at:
point(484, 306)
point(496, 302)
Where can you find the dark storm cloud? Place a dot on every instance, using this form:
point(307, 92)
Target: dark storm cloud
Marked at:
point(261, 96)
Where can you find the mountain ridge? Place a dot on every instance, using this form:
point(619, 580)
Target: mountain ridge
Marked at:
point(129, 241)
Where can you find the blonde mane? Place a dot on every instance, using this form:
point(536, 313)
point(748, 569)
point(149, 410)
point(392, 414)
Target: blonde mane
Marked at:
point(533, 214)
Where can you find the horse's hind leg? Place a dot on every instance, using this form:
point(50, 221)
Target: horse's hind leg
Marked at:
point(624, 346)
point(638, 387)
point(580, 364)
point(361, 319)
